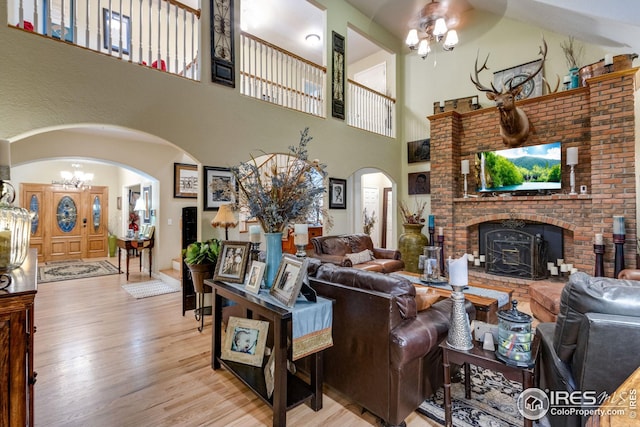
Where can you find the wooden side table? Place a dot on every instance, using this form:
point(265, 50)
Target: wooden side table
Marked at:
point(485, 359)
point(289, 390)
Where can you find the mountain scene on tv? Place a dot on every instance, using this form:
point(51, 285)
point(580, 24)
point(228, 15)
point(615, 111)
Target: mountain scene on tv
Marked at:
point(520, 169)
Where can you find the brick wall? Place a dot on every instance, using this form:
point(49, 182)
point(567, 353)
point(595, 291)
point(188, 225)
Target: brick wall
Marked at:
point(598, 119)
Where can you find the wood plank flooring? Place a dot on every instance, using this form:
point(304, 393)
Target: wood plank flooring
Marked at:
point(106, 359)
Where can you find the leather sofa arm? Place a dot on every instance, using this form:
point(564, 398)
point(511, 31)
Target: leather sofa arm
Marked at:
point(380, 253)
point(340, 260)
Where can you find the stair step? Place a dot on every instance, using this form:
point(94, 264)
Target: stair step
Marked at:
point(176, 264)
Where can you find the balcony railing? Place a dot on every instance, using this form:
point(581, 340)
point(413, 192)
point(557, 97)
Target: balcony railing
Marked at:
point(163, 34)
point(274, 75)
point(370, 110)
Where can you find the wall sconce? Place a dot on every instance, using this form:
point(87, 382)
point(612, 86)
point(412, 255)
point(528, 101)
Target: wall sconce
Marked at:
point(572, 160)
point(465, 172)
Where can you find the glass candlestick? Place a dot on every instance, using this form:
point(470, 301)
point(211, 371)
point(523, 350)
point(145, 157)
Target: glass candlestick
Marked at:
point(300, 241)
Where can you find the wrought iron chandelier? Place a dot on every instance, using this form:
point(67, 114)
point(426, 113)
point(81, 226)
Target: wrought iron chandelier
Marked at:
point(76, 179)
point(432, 22)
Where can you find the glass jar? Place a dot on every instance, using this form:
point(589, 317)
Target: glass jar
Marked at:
point(431, 264)
point(15, 233)
point(514, 337)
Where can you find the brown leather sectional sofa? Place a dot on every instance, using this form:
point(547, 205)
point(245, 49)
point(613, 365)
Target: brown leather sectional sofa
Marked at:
point(334, 249)
point(385, 355)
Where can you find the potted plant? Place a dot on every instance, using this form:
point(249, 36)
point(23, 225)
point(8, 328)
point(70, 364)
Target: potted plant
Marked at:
point(201, 259)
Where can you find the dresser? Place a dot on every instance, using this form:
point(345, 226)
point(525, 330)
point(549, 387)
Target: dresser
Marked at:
point(289, 247)
point(16, 345)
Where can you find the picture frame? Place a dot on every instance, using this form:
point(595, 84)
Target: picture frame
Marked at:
point(337, 75)
point(222, 43)
point(146, 196)
point(337, 193)
point(185, 181)
point(269, 370)
point(55, 8)
point(148, 231)
point(419, 183)
point(232, 261)
point(119, 202)
point(517, 74)
point(288, 281)
point(245, 341)
point(220, 187)
point(113, 25)
point(254, 279)
point(419, 151)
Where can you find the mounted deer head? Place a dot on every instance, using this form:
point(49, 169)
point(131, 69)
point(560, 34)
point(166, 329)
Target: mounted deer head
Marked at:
point(514, 124)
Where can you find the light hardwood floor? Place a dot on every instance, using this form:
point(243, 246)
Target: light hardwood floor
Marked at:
point(106, 359)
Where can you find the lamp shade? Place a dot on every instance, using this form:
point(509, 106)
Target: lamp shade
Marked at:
point(140, 206)
point(224, 217)
point(572, 156)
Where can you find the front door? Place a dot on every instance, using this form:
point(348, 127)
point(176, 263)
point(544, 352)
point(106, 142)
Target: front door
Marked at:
point(71, 223)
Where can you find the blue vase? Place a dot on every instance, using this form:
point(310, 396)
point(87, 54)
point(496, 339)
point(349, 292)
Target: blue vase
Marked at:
point(575, 78)
point(274, 255)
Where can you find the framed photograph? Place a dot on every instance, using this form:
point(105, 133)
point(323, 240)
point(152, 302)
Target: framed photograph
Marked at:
point(148, 231)
point(337, 193)
point(58, 15)
point(420, 183)
point(116, 25)
point(185, 181)
point(288, 281)
point(245, 340)
point(256, 272)
point(514, 75)
point(119, 202)
point(337, 76)
point(419, 151)
point(146, 196)
point(232, 261)
point(219, 188)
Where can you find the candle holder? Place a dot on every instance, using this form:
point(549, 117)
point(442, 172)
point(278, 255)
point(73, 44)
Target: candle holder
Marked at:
point(441, 244)
point(599, 251)
point(301, 241)
point(618, 241)
point(432, 231)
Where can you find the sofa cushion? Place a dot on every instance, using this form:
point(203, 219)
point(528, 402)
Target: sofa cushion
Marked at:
point(585, 294)
point(425, 298)
point(336, 246)
point(360, 257)
point(360, 242)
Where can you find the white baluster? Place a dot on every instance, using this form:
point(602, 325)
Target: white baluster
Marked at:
point(87, 33)
point(150, 37)
point(129, 40)
point(168, 55)
point(121, 17)
point(159, 60)
point(99, 32)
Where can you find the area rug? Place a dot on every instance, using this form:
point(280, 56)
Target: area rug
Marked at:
point(68, 270)
point(148, 289)
point(492, 403)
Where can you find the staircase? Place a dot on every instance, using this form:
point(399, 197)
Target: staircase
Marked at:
point(173, 275)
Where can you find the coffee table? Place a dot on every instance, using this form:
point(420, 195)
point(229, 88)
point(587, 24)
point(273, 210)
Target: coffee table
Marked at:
point(486, 308)
point(485, 359)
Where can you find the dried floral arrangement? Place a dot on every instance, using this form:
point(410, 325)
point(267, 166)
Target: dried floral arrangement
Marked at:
point(573, 52)
point(281, 192)
point(368, 221)
point(412, 217)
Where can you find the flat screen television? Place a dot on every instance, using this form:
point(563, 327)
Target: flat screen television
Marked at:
point(533, 168)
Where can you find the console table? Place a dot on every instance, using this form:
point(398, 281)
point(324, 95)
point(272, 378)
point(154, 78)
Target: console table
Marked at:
point(139, 244)
point(289, 390)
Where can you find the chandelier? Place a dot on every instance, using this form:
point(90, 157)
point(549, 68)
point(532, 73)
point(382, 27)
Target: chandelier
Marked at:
point(76, 179)
point(433, 23)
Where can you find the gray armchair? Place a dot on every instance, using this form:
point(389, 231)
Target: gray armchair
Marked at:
point(594, 345)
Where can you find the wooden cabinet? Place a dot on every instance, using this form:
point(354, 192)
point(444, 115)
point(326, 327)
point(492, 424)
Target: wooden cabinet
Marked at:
point(289, 247)
point(16, 345)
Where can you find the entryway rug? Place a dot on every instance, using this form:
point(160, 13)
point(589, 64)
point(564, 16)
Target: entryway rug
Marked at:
point(56, 271)
point(148, 289)
point(492, 403)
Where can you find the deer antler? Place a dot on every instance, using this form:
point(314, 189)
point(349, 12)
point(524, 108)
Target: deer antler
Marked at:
point(476, 82)
point(543, 52)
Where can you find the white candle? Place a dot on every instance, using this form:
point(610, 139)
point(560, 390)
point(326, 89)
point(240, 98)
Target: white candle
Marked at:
point(441, 104)
point(465, 167)
point(301, 228)
point(554, 271)
point(599, 239)
point(301, 234)
point(5, 248)
point(475, 254)
point(608, 59)
point(474, 100)
point(482, 258)
point(476, 262)
point(560, 261)
point(254, 234)
point(572, 156)
point(566, 79)
point(569, 267)
point(563, 268)
point(574, 270)
point(470, 257)
point(440, 231)
point(550, 266)
point(618, 224)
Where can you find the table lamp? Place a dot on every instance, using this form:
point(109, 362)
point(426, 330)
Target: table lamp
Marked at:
point(224, 218)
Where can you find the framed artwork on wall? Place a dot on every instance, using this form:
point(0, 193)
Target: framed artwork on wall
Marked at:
point(185, 181)
point(116, 25)
point(337, 76)
point(419, 183)
point(62, 13)
point(146, 196)
point(337, 193)
point(419, 151)
point(219, 187)
point(222, 46)
point(515, 75)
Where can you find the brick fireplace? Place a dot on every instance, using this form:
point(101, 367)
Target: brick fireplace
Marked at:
point(599, 119)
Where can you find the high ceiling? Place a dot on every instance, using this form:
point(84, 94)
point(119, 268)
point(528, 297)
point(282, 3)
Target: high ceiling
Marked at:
point(608, 23)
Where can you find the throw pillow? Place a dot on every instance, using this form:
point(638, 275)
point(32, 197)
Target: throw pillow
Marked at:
point(425, 298)
point(360, 257)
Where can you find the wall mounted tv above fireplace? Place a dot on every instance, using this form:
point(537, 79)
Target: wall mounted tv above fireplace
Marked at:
point(532, 168)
